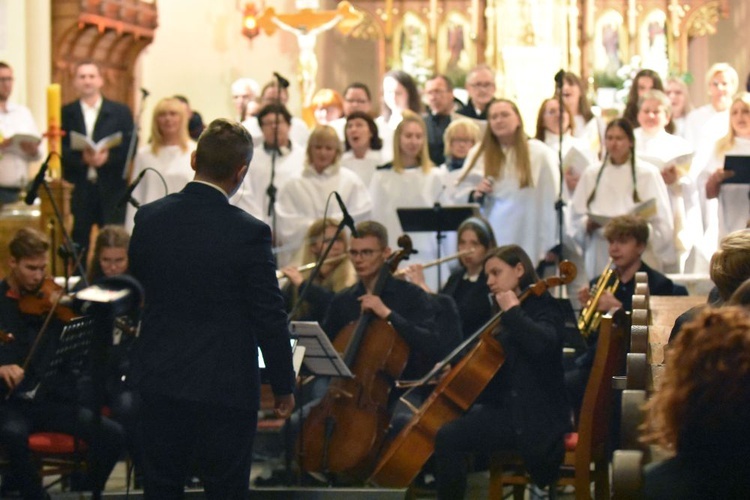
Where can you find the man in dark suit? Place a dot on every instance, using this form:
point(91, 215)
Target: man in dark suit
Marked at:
point(211, 297)
point(98, 177)
point(438, 92)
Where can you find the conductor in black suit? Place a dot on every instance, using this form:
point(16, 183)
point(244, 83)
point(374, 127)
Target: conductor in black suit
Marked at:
point(211, 297)
point(98, 178)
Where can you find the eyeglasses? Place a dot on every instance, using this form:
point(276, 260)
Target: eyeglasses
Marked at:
point(6, 79)
point(357, 101)
point(365, 254)
point(272, 124)
point(462, 140)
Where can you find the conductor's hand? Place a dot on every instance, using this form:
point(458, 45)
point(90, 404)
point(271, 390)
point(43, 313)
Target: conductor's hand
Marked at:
point(283, 405)
point(12, 375)
point(373, 303)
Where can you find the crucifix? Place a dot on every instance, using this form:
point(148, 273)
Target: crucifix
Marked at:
point(306, 24)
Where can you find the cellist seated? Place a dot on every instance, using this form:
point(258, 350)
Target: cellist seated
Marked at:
point(405, 306)
point(52, 406)
point(399, 315)
point(524, 407)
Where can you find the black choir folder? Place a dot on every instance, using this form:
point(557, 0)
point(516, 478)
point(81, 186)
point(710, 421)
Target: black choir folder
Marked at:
point(740, 165)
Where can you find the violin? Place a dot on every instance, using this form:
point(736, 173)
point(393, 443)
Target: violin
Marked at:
point(45, 300)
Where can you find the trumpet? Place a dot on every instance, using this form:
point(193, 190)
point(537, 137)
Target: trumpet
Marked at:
point(310, 265)
point(590, 317)
point(437, 262)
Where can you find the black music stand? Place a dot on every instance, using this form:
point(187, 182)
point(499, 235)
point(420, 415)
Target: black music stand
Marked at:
point(437, 219)
point(321, 358)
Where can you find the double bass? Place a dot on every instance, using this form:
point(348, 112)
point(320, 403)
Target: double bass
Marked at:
point(343, 433)
point(404, 457)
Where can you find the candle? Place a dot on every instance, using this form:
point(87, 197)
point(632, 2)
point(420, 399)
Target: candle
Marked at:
point(54, 138)
point(474, 19)
point(433, 19)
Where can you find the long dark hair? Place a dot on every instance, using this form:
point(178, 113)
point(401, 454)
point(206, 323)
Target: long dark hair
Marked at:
point(626, 127)
point(512, 255)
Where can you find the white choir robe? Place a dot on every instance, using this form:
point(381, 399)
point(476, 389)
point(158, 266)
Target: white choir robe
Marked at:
point(174, 166)
point(527, 216)
point(302, 200)
point(252, 195)
point(386, 132)
point(683, 195)
point(571, 250)
point(363, 167)
point(706, 125)
point(614, 197)
point(411, 188)
point(680, 126)
point(731, 210)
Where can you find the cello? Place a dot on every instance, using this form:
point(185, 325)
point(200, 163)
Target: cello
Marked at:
point(342, 434)
point(404, 457)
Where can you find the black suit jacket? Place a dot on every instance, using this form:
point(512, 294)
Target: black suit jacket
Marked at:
point(211, 297)
point(113, 117)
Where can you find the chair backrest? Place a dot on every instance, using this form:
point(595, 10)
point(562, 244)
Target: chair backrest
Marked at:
point(596, 410)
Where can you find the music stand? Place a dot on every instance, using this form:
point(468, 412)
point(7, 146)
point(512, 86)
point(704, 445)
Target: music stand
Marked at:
point(436, 219)
point(321, 358)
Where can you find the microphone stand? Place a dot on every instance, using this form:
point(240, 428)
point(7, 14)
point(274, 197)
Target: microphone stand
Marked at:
point(71, 250)
point(271, 190)
point(136, 132)
point(560, 203)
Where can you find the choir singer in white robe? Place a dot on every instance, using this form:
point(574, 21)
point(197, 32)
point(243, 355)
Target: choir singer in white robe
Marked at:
point(303, 198)
point(615, 188)
point(167, 157)
point(516, 181)
point(252, 196)
point(672, 155)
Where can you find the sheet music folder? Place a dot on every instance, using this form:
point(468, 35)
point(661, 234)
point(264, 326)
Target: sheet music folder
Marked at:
point(437, 218)
point(321, 358)
point(740, 165)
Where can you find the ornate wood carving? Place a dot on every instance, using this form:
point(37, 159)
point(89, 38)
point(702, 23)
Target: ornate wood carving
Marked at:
point(111, 32)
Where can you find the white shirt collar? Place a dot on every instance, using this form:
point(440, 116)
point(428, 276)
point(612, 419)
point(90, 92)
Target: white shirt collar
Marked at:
point(213, 186)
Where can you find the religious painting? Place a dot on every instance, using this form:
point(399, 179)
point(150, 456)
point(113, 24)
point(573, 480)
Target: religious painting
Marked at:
point(411, 45)
point(455, 51)
point(610, 43)
point(653, 42)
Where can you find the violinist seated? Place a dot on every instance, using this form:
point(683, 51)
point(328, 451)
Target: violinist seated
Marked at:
point(628, 237)
point(524, 408)
point(468, 283)
point(334, 275)
point(51, 406)
point(405, 306)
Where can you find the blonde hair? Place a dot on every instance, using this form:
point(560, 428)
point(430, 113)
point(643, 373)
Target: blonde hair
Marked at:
point(727, 142)
point(461, 126)
point(323, 134)
point(729, 72)
point(686, 92)
point(494, 158)
point(730, 264)
point(157, 139)
point(656, 95)
point(423, 158)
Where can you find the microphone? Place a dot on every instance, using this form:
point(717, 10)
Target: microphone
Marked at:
point(38, 180)
point(128, 196)
point(283, 82)
point(346, 218)
point(559, 77)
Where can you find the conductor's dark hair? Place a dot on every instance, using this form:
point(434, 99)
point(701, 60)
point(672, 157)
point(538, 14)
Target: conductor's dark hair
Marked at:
point(223, 148)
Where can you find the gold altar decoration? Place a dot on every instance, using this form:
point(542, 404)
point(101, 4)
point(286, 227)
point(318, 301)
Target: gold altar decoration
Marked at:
point(306, 24)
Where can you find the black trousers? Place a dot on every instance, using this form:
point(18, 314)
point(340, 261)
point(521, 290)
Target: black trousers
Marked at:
point(483, 430)
point(220, 438)
point(19, 418)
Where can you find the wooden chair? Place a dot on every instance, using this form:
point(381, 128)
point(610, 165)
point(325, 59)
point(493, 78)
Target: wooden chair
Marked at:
point(588, 445)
